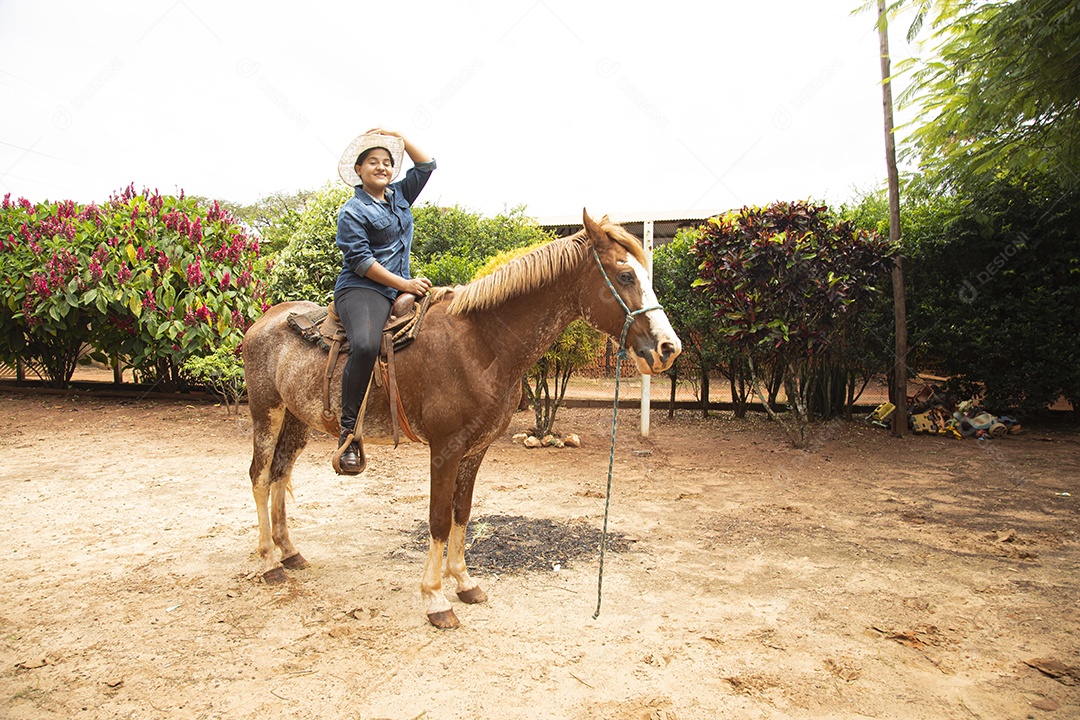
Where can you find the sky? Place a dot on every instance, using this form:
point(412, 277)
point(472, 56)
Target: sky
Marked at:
point(617, 108)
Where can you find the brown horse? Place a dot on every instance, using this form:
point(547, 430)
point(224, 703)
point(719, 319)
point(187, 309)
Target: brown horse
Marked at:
point(459, 381)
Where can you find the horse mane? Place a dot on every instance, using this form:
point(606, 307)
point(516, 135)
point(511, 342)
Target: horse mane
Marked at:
point(535, 269)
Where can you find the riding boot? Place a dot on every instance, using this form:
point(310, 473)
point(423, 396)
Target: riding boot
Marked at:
point(352, 460)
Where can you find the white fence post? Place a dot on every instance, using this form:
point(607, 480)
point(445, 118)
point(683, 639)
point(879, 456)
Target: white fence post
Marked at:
point(646, 380)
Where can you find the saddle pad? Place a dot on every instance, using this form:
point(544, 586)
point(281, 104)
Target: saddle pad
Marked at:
point(307, 324)
point(322, 326)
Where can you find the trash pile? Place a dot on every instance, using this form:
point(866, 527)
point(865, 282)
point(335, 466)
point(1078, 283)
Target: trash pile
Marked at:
point(932, 412)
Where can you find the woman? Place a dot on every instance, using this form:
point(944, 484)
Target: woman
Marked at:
point(374, 234)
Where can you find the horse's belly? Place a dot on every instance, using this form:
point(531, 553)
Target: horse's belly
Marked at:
point(306, 403)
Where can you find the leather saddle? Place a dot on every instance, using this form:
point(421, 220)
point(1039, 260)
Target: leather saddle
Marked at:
point(322, 326)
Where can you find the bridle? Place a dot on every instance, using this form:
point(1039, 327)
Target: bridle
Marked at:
point(631, 315)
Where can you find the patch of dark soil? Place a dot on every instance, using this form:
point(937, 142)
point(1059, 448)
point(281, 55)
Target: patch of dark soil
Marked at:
point(515, 544)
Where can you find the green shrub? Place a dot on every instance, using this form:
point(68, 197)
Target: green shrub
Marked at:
point(788, 283)
point(222, 372)
point(309, 264)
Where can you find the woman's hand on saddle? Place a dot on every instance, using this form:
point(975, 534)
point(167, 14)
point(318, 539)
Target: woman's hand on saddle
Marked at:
point(416, 286)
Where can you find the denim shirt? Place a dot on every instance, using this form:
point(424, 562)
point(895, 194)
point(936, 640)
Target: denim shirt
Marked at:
point(370, 231)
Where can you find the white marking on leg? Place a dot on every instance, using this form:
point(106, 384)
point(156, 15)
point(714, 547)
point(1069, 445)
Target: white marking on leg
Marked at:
point(455, 559)
point(431, 586)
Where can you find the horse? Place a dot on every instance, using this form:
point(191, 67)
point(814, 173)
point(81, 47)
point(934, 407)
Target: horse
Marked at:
point(459, 383)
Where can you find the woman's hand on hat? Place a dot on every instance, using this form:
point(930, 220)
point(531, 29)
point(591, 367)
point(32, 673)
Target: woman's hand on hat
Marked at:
point(415, 154)
point(381, 131)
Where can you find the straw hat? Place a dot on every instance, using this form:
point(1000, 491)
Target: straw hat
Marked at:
point(347, 164)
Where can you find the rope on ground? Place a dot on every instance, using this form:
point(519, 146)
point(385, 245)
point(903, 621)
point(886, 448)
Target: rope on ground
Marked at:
point(607, 502)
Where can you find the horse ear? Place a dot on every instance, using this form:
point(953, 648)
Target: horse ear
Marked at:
point(591, 228)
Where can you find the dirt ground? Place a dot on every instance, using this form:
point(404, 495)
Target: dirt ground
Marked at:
point(867, 577)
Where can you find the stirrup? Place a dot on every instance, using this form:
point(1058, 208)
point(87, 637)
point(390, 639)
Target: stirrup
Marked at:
point(360, 456)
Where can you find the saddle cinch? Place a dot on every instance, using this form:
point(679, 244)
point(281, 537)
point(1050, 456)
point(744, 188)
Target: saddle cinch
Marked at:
point(323, 327)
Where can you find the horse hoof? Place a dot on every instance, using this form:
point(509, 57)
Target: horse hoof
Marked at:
point(295, 562)
point(473, 596)
point(444, 620)
point(275, 576)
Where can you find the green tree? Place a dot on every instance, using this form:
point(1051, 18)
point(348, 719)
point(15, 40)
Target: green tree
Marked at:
point(675, 269)
point(997, 284)
point(998, 103)
point(310, 262)
point(999, 91)
point(449, 245)
point(992, 278)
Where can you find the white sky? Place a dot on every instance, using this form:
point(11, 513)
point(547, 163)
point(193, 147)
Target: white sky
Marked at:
point(618, 107)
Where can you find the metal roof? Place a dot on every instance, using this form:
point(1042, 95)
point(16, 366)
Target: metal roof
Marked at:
point(665, 224)
point(637, 216)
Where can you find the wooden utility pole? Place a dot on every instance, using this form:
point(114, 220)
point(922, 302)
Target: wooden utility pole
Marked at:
point(899, 389)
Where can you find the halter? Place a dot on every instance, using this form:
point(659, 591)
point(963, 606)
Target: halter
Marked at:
point(631, 315)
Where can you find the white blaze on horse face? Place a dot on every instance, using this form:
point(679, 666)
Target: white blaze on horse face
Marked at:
point(666, 344)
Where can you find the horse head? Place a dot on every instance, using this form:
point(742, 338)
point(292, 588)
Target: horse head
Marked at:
point(621, 301)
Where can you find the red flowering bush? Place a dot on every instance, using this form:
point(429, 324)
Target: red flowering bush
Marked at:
point(149, 278)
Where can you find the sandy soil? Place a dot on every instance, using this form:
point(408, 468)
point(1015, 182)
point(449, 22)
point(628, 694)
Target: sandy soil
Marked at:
point(868, 577)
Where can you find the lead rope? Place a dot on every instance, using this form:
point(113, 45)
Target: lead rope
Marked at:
point(610, 468)
point(630, 315)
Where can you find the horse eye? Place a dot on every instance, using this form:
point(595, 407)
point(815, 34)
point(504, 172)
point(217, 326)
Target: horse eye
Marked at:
point(626, 278)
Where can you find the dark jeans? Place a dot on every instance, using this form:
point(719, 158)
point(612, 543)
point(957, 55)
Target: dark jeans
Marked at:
point(363, 313)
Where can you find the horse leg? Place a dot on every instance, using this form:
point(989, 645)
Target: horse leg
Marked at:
point(291, 442)
point(266, 427)
point(468, 590)
point(444, 471)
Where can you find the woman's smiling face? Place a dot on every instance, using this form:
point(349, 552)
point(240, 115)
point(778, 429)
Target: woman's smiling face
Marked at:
point(376, 170)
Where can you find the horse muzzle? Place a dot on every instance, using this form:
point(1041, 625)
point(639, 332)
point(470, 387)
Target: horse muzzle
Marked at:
point(658, 357)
